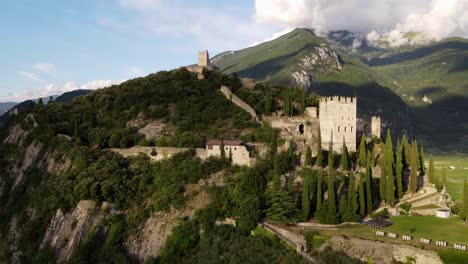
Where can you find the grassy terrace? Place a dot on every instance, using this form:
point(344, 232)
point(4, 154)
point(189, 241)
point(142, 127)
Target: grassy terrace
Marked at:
point(452, 230)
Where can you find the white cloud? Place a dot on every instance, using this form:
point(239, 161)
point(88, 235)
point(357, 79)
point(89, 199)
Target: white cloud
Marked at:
point(133, 72)
point(272, 37)
point(52, 89)
point(45, 67)
point(216, 29)
point(30, 75)
point(387, 20)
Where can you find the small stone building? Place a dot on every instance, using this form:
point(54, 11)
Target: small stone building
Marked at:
point(240, 153)
point(443, 213)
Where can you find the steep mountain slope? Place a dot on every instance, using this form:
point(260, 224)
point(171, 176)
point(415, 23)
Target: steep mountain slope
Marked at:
point(6, 106)
point(431, 78)
point(303, 59)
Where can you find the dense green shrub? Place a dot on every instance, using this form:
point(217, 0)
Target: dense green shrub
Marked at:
point(450, 256)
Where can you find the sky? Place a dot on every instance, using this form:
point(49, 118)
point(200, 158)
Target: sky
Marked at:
point(49, 47)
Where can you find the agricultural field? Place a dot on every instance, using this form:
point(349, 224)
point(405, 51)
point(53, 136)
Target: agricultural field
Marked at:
point(456, 167)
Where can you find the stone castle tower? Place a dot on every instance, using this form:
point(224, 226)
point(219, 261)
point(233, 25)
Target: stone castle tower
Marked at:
point(375, 126)
point(337, 116)
point(203, 58)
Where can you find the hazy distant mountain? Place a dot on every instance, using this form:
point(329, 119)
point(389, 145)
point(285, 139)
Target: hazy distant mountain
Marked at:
point(6, 106)
point(68, 96)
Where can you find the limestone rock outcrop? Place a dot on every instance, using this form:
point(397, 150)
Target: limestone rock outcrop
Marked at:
point(314, 64)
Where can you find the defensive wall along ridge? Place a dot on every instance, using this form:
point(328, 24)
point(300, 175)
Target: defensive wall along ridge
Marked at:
point(239, 102)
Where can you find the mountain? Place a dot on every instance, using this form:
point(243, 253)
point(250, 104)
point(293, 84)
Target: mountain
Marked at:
point(303, 59)
point(6, 106)
point(68, 96)
point(421, 90)
point(431, 78)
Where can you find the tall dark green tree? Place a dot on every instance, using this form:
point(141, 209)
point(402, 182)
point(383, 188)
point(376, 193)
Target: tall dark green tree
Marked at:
point(319, 161)
point(319, 190)
point(273, 146)
point(369, 183)
point(344, 156)
point(383, 178)
point(390, 185)
point(223, 151)
point(399, 169)
point(303, 100)
point(414, 162)
point(431, 170)
point(287, 102)
point(362, 198)
point(40, 102)
point(308, 157)
point(406, 150)
point(331, 183)
point(308, 192)
point(362, 152)
point(352, 198)
point(423, 166)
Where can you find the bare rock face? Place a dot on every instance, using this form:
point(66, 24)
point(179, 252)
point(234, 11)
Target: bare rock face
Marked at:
point(314, 64)
point(31, 156)
point(66, 231)
point(153, 233)
point(153, 130)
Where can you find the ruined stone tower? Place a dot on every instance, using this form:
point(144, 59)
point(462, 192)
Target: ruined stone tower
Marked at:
point(337, 116)
point(203, 58)
point(375, 126)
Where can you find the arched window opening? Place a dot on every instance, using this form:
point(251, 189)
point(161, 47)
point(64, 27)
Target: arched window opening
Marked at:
point(301, 129)
point(344, 129)
point(338, 129)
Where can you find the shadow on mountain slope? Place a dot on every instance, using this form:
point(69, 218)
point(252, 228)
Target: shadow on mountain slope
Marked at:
point(419, 53)
point(443, 125)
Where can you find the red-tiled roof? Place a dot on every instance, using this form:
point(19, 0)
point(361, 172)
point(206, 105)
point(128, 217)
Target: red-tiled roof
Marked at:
point(214, 142)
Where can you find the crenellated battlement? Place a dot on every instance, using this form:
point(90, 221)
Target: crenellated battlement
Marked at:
point(338, 99)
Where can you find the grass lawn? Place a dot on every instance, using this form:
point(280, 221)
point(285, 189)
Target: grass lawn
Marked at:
point(455, 177)
point(452, 230)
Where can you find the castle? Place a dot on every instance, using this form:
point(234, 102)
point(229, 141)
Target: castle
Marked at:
point(234, 149)
point(337, 117)
point(203, 63)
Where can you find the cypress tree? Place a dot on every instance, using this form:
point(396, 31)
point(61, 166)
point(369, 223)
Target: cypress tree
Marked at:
point(40, 102)
point(319, 190)
point(413, 169)
point(383, 178)
point(399, 169)
point(423, 166)
point(465, 200)
point(303, 101)
point(344, 157)
point(308, 157)
point(362, 201)
point(406, 150)
point(368, 183)
point(352, 199)
point(319, 161)
point(437, 181)
point(273, 146)
point(331, 185)
point(390, 185)
point(223, 152)
point(430, 170)
point(308, 189)
point(362, 152)
point(76, 130)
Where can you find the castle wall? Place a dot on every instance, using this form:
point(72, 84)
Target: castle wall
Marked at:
point(239, 102)
point(337, 116)
point(240, 154)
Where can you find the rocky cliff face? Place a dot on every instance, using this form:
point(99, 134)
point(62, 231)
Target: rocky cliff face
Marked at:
point(66, 231)
point(315, 63)
point(153, 233)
